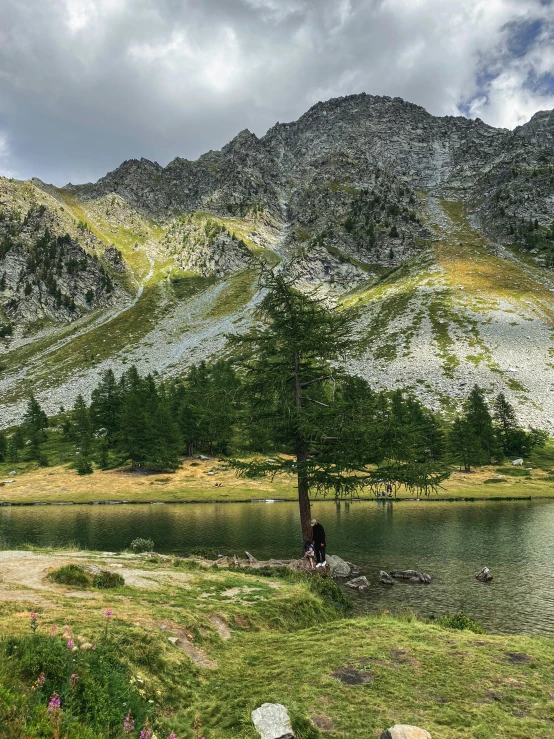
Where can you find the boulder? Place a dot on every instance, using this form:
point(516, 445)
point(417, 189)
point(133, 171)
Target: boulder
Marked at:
point(338, 567)
point(358, 583)
point(411, 576)
point(484, 575)
point(517, 463)
point(385, 578)
point(403, 731)
point(271, 721)
point(354, 569)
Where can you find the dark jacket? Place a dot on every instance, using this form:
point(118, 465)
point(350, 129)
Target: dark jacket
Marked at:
point(318, 533)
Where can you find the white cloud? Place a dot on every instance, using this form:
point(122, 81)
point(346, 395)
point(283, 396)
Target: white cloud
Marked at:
point(87, 83)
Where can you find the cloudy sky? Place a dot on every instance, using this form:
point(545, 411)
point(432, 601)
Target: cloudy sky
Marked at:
point(85, 84)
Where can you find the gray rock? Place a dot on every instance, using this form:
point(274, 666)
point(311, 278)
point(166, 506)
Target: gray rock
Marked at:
point(354, 569)
point(385, 578)
point(484, 575)
point(411, 576)
point(338, 567)
point(403, 731)
point(517, 463)
point(271, 721)
point(358, 583)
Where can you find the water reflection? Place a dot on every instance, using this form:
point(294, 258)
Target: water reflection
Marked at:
point(450, 541)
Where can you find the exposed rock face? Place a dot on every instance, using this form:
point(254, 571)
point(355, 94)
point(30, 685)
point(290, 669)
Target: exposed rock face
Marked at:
point(385, 578)
point(204, 246)
point(417, 220)
point(271, 721)
point(50, 266)
point(403, 731)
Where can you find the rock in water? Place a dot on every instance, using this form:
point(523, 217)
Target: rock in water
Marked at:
point(271, 721)
point(411, 576)
point(385, 578)
point(359, 583)
point(403, 731)
point(338, 567)
point(484, 575)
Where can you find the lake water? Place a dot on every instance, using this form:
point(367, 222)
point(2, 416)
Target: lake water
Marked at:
point(450, 541)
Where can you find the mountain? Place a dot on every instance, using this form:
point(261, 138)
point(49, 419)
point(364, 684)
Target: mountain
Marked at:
point(439, 228)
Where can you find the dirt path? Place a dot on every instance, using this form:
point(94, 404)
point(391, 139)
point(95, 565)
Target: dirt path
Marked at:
point(29, 570)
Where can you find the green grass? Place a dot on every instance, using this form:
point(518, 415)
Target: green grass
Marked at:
point(237, 291)
point(289, 644)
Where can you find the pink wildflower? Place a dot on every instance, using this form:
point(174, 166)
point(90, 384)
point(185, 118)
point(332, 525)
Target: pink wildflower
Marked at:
point(54, 706)
point(39, 682)
point(70, 644)
point(34, 621)
point(172, 736)
point(128, 724)
point(73, 680)
point(146, 732)
point(108, 612)
point(53, 630)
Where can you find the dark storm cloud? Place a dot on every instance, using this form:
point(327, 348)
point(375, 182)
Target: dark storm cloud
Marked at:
point(85, 84)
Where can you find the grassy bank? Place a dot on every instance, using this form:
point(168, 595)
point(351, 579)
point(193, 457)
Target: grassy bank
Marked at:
point(198, 649)
point(193, 482)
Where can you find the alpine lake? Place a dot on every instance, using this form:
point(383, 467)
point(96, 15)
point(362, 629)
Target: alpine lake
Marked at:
point(451, 541)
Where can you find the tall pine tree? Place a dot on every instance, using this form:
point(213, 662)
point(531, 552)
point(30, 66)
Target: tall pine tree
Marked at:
point(82, 432)
point(35, 421)
point(296, 393)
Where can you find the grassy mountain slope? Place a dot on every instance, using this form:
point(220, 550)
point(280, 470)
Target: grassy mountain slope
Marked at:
point(437, 227)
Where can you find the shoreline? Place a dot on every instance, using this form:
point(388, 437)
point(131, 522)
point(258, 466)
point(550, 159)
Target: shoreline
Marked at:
point(215, 501)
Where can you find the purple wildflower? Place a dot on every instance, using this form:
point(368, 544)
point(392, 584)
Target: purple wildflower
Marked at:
point(108, 612)
point(172, 736)
point(128, 724)
point(34, 621)
point(39, 682)
point(54, 706)
point(70, 643)
point(73, 680)
point(146, 734)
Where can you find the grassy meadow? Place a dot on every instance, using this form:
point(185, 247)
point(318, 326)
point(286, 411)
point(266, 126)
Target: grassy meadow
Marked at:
point(194, 648)
point(195, 481)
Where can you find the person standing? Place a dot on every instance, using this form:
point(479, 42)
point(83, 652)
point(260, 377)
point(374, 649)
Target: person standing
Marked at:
point(318, 537)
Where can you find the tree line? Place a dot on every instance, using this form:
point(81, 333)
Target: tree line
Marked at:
point(281, 393)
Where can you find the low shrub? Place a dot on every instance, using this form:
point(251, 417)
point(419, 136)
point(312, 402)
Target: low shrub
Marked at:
point(71, 575)
point(138, 546)
point(493, 481)
point(204, 552)
point(461, 622)
point(105, 580)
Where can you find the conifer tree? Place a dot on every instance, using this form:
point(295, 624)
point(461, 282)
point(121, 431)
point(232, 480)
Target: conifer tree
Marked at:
point(479, 418)
point(102, 454)
point(506, 421)
point(3, 446)
point(35, 421)
point(464, 445)
point(82, 431)
point(105, 406)
point(15, 445)
point(292, 387)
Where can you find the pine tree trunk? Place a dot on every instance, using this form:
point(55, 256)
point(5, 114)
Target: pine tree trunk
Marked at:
point(302, 456)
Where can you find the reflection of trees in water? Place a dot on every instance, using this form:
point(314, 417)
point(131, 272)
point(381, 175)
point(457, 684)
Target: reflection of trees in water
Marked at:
point(451, 541)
